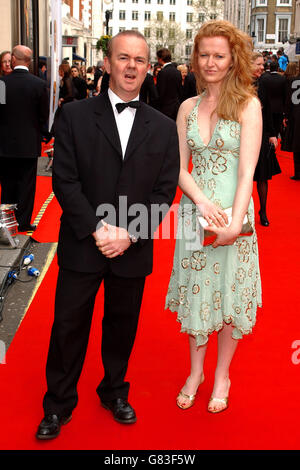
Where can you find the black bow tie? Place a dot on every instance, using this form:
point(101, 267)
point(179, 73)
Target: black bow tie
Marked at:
point(132, 104)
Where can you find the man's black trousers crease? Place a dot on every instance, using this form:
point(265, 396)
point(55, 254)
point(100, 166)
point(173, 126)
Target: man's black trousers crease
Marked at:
point(74, 305)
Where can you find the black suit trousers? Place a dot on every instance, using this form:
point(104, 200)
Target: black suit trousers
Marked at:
point(74, 306)
point(18, 185)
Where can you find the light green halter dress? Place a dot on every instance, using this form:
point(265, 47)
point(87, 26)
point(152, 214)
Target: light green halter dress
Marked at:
point(209, 286)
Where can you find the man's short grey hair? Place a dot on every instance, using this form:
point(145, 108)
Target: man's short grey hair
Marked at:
point(128, 32)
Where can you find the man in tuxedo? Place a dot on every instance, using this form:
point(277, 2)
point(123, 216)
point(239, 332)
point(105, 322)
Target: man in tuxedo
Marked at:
point(22, 120)
point(148, 92)
point(113, 154)
point(169, 85)
point(275, 87)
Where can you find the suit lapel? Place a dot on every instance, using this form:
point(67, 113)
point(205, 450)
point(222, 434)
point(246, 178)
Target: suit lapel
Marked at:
point(105, 121)
point(138, 133)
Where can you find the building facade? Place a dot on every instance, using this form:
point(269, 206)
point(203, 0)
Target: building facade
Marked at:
point(28, 22)
point(82, 25)
point(297, 20)
point(25, 22)
point(272, 23)
point(238, 13)
point(164, 23)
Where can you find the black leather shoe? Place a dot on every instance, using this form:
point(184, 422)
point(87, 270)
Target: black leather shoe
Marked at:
point(296, 178)
point(50, 425)
point(263, 219)
point(122, 411)
point(27, 228)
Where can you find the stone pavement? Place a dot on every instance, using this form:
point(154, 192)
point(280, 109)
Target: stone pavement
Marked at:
point(10, 260)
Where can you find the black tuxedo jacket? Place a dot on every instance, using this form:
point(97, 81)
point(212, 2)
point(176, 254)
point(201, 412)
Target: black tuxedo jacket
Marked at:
point(275, 85)
point(169, 87)
point(189, 86)
point(24, 116)
point(89, 171)
point(148, 92)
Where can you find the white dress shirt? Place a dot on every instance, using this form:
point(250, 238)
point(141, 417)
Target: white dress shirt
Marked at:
point(22, 67)
point(124, 120)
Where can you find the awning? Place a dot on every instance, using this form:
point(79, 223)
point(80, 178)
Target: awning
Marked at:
point(77, 57)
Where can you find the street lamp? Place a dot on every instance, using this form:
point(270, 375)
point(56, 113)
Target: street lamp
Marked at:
point(107, 18)
point(108, 13)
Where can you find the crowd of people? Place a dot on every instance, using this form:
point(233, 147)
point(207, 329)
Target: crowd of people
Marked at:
point(162, 91)
point(274, 78)
point(168, 84)
point(226, 112)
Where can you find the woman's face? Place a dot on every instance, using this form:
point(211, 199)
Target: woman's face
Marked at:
point(6, 64)
point(184, 73)
point(214, 58)
point(258, 67)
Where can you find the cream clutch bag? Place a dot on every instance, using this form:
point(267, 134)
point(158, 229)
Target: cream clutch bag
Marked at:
point(209, 237)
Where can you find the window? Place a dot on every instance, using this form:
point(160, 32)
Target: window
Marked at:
point(283, 29)
point(201, 3)
point(147, 15)
point(213, 16)
point(261, 3)
point(159, 16)
point(171, 48)
point(135, 15)
point(172, 2)
point(284, 3)
point(147, 32)
point(189, 17)
point(172, 16)
point(188, 50)
point(160, 2)
point(147, 2)
point(213, 3)
point(188, 34)
point(189, 2)
point(201, 18)
point(260, 30)
point(171, 33)
point(122, 15)
point(135, 1)
point(159, 33)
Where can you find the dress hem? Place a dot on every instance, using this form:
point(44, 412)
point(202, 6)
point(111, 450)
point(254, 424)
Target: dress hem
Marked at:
point(202, 336)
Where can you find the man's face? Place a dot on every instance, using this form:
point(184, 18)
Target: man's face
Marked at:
point(74, 72)
point(127, 66)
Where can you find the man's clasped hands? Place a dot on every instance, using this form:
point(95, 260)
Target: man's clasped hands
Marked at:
point(112, 241)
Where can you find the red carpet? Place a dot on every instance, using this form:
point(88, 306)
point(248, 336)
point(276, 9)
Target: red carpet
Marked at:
point(48, 226)
point(263, 408)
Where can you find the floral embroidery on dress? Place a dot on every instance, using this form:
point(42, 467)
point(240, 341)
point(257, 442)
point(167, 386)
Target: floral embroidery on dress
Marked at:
point(198, 260)
point(235, 130)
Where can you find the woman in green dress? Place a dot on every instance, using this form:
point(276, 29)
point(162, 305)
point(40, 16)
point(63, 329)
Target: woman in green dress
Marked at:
point(216, 287)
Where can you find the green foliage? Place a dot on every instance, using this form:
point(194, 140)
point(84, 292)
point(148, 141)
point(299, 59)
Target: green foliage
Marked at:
point(102, 43)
